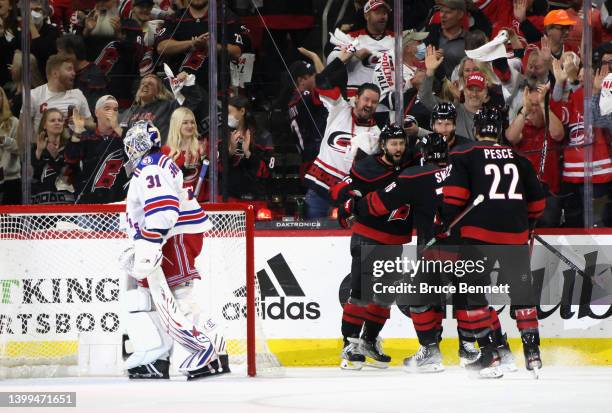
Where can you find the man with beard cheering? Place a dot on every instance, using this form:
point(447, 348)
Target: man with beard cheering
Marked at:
point(351, 131)
point(364, 310)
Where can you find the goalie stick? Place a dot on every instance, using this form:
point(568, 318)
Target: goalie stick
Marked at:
point(477, 201)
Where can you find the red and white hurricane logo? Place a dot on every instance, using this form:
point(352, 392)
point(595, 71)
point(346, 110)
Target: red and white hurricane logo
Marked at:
point(400, 213)
point(339, 141)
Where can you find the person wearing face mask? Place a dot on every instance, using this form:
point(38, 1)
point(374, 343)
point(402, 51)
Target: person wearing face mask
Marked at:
point(249, 150)
point(43, 33)
point(413, 54)
point(350, 133)
point(51, 176)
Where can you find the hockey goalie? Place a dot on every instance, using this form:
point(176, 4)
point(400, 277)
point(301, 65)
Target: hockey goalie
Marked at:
point(166, 225)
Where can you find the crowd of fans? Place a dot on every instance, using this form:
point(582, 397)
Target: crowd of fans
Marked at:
point(98, 66)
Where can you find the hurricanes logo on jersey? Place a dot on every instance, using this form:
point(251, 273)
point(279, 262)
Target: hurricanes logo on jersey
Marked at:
point(400, 213)
point(339, 141)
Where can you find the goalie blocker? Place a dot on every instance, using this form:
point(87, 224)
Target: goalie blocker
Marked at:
point(161, 211)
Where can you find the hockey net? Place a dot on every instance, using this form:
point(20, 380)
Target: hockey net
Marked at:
point(60, 286)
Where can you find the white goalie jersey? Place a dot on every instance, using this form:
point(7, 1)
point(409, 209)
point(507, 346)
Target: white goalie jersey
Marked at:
point(158, 206)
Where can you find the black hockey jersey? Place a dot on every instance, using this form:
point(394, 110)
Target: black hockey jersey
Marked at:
point(509, 185)
point(371, 174)
point(48, 171)
point(419, 188)
point(308, 122)
point(97, 161)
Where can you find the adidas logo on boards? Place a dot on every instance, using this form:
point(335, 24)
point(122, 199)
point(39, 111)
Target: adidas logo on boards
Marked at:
point(285, 300)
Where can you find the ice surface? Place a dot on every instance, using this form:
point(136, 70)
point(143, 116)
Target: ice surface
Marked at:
point(560, 389)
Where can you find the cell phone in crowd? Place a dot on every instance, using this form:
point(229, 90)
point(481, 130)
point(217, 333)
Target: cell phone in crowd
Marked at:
point(70, 111)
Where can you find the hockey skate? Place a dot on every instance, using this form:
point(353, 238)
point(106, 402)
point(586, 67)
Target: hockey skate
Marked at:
point(531, 349)
point(215, 367)
point(505, 356)
point(372, 350)
point(487, 366)
point(468, 353)
point(157, 370)
point(352, 358)
point(427, 359)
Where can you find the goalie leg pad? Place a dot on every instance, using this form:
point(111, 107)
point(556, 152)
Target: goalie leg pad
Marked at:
point(147, 336)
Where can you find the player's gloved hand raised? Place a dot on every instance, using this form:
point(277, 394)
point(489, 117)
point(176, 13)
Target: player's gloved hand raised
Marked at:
point(346, 212)
point(147, 257)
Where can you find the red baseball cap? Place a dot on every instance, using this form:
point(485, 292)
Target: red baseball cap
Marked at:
point(476, 79)
point(374, 4)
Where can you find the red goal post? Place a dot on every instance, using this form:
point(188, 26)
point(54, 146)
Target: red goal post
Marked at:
point(23, 232)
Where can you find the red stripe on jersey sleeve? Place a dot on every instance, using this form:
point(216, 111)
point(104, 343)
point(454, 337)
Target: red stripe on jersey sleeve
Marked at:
point(375, 205)
point(456, 192)
point(536, 208)
point(333, 93)
point(454, 201)
point(494, 237)
point(337, 190)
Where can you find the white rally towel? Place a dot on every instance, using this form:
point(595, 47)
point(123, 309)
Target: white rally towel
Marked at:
point(176, 85)
point(495, 49)
point(605, 99)
point(342, 40)
point(384, 73)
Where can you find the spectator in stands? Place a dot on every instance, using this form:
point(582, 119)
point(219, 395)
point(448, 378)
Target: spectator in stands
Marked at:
point(62, 11)
point(10, 37)
point(526, 133)
point(572, 182)
point(184, 147)
point(306, 116)
point(58, 92)
point(97, 156)
point(184, 42)
point(89, 79)
point(351, 131)
point(10, 165)
point(557, 25)
point(416, 115)
point(476, 94)
point(373, 40)
point(249, 153)
point(449, 35)
point(102, 25)
point(413, 54)
point(154, 102)
point(42, 33)
point(51, 175)
point(15, 87)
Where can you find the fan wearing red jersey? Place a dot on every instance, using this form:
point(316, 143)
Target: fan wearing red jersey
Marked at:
point(512, 191)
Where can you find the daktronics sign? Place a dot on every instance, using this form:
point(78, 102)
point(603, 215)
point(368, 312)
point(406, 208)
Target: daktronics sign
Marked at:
point(285, 300)
point(58, 305)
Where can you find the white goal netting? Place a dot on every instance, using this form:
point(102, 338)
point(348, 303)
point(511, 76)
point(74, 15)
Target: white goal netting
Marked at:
point(60, 285)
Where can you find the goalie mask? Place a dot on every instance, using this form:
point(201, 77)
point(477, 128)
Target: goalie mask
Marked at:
point(392, 155)
point(433, 148)
point(139, 140)
point(488, 123)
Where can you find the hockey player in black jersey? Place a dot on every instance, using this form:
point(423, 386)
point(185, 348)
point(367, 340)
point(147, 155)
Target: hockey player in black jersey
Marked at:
point(419, 187)
point(444, 122)
point(362, 311)
point(513, 196)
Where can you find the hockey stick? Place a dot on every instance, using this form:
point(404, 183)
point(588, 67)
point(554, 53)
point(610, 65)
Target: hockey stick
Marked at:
point(559, 255)
point(477, 201)
point(203, 170)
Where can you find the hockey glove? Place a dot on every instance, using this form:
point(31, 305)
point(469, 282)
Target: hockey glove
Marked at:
point(346, 213)
point(147, 257)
